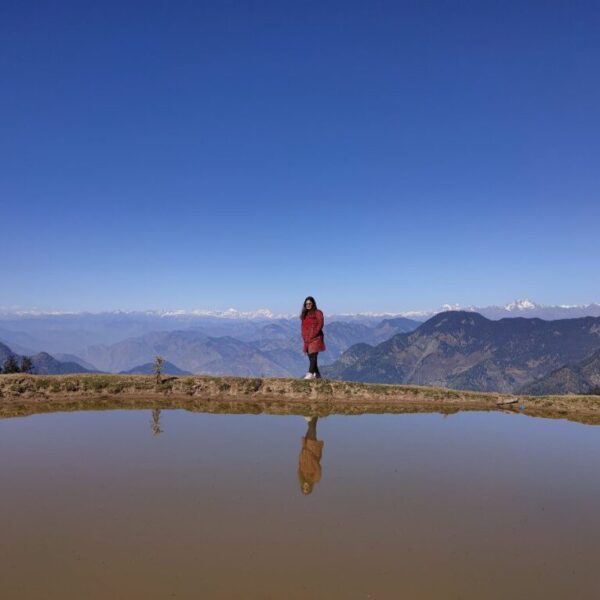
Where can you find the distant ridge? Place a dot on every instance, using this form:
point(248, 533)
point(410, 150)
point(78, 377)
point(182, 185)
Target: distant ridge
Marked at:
point(519, 307)
point(465, 350)
point(44, 363)
point(579, 378)
point(168, 368)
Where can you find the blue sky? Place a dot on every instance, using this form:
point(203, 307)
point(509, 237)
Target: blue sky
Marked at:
point(377, 155)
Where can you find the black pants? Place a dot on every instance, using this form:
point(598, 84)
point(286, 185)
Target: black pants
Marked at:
point(313, 367)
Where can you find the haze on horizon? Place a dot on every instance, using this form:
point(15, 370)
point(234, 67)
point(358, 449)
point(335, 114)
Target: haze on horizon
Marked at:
point(519, 307)
point(382, 157)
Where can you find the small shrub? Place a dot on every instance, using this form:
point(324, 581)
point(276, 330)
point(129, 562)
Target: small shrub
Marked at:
point(116, 388)
point(253, 385)
point(301, 385)
point(26, 364)
point(158, 365)
point(42, 383)
point(10, 365)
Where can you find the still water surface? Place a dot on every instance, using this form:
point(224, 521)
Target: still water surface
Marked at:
point(135, 504)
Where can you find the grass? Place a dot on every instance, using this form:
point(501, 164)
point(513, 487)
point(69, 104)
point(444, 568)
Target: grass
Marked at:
point(320, 395)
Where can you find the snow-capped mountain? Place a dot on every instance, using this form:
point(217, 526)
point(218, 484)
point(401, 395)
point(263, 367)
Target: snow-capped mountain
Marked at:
point(89, 336)
point(529, 309)
point(521, 305)
point(516, 308)
point(229, 313)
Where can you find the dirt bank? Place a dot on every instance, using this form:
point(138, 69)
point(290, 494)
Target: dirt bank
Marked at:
point(22, 395)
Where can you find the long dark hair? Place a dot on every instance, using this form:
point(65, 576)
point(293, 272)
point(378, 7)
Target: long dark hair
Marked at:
point(304, 309)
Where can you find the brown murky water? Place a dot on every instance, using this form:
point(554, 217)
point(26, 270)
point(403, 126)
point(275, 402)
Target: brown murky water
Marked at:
point(135, 504)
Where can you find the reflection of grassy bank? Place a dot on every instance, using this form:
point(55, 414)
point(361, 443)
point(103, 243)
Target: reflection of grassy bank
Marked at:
point(28, 394)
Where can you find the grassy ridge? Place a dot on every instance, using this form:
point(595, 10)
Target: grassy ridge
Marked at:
point(268, 395)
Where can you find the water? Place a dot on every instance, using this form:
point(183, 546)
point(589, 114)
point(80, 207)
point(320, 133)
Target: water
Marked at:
point(131, 504)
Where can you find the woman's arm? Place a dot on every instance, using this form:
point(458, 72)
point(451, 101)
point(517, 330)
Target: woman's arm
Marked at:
point(319, 324)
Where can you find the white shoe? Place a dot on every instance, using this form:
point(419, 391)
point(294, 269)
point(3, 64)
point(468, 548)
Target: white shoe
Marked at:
point(309, 376)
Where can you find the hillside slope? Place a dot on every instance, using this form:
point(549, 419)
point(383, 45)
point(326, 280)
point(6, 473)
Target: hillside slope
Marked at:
point(464, 350)
point(579, 378)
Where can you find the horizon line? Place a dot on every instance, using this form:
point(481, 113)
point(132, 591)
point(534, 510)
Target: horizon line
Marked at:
point(266, 313)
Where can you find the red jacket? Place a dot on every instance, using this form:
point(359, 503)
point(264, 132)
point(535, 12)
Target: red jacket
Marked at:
point(312, 331)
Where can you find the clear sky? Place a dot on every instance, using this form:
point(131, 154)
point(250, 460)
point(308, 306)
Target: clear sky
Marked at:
point(377, 155)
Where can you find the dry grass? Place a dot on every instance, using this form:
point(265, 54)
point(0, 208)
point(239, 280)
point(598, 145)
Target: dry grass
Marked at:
point(25, 394)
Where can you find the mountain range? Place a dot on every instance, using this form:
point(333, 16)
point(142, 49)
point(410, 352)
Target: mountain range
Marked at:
point(273, 350)
point(465, 350)
point(578, 378)
point(28, 332)
point(461, 349)
point(148, 369)
point(43, 363)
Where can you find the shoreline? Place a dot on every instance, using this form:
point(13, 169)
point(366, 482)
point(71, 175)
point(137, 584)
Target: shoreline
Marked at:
point(24, 395)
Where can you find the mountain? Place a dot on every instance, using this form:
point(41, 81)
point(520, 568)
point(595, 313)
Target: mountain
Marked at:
point(390, 327)
point(273, 348)
point(529, 309)
point(578, 378)
point(28, 332)
point(516, 308)
point(5, 352)
point(338, 336)
point(464, 350)
point(148, 369)
point(43, 363)
point(76, 359)
point(192, 351)
point(72, 333)
point(19, 343)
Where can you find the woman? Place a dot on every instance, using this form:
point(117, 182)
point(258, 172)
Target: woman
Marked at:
point(312, 334)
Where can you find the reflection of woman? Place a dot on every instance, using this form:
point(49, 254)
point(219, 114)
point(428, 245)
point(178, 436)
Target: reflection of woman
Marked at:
point(309, 467)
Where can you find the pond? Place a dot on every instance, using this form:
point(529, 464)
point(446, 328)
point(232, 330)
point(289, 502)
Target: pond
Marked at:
point(173, 504)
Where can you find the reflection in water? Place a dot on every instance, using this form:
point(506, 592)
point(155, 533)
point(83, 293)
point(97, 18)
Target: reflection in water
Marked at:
point(156, 430)
point(483, 506)
point(309, 467)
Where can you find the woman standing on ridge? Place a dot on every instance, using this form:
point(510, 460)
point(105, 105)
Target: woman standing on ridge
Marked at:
point(312, 334)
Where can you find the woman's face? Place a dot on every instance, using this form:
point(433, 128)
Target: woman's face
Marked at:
point(308, 304)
